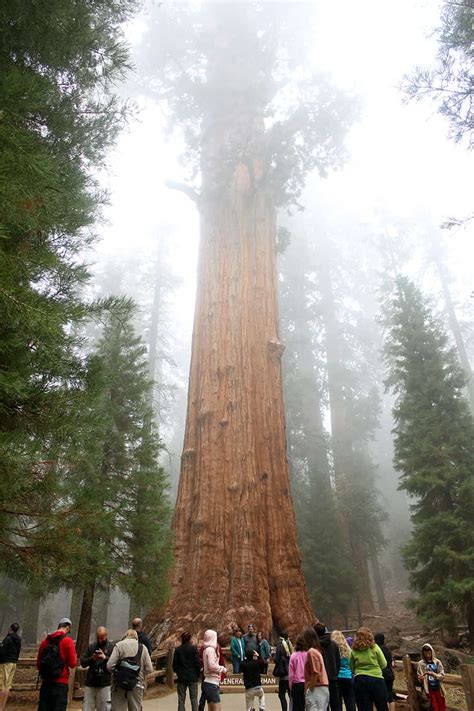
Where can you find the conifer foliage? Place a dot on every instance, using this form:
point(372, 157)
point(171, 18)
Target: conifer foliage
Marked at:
point(58, 62)
point(434, 451)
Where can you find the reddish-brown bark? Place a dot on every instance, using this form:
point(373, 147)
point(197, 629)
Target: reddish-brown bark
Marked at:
point(236, 556)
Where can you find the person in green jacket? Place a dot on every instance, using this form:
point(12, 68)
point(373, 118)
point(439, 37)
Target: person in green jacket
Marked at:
point(237, 650)
point(264, 651)
point(367, 662)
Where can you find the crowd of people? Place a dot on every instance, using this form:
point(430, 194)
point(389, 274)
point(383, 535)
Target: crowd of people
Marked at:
point(323, 670)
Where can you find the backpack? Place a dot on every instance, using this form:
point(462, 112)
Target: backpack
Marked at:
point(51, 665)
point(127, 670)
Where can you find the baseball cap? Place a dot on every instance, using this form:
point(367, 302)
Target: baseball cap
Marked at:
point(64, 621)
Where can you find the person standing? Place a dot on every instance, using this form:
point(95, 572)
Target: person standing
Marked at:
point(97, 691)
point(56, 655)
point(250, 640)
point(212, 671)
point(332, 663)
point(316, 681)
point(344, 678)
point(136, 656)
point(430, 672)
point(9, 653)
point(388, 674)
point(367, 663)
point(237, 650)
point(251, 669)
point(263, 650)
point(187, 667)
point(296, 674)
point(137, 625)
point(283, 652)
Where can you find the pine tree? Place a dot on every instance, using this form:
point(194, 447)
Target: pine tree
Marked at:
point(58, 61)
point(118, 486)
point(434, 452)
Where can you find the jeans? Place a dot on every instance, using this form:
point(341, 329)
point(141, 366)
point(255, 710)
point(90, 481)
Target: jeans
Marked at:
point(283, 690)
point(127, 700)
point(53, 697)
point(317, 699)
point(250, 695)
point(235, 665)
point(346, 691)
point(297, 696)
point(193, 694)
point(370, 691)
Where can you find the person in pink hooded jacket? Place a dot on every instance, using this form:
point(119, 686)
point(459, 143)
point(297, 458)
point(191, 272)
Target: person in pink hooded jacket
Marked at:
point(212, 671)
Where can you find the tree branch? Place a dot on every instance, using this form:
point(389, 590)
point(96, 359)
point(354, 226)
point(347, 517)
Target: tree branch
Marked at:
point(183, 188)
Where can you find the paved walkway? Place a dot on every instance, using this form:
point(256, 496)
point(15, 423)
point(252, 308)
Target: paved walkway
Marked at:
point(234, 701)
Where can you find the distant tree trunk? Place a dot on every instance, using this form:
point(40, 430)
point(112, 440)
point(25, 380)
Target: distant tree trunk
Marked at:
point(30, 618)
point(100, 607)
point(470, 620)
point(75, 608)
point(341, 432)
point(453, 319)
point(378, 582)
point(85, 619)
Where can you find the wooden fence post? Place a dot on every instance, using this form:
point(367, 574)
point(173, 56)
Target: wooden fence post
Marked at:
point(467, 676)
point(169, 669)
point(72, 679)
point(410, 677)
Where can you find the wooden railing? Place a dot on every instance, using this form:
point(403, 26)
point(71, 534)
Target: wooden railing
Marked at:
point(413, 691)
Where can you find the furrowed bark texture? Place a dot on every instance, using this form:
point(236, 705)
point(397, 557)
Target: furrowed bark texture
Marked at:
point(236, 554)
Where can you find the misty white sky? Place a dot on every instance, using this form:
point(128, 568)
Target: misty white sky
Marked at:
point(401, 158)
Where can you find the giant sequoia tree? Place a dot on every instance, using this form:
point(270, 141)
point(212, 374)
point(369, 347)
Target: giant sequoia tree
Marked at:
point(251, 135)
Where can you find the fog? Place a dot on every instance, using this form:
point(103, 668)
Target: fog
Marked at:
point(373, 217)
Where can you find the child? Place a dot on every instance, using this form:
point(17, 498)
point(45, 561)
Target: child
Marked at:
point(251, 668)
point(430, 672)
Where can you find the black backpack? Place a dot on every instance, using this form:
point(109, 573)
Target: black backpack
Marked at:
point(127, 670)
point(51, 665)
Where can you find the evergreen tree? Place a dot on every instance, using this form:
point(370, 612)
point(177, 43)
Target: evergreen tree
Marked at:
point(117, 483)
point(450, 84)
point(434, 451)
point(58, 61)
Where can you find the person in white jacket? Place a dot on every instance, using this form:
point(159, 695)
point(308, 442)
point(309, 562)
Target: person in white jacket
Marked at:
point(129, 647)
point(212, 671)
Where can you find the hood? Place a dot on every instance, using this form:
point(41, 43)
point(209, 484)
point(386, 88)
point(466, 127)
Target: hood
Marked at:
point(210, 638)
point(325, 640)
point(56, 634)
point(429, 647)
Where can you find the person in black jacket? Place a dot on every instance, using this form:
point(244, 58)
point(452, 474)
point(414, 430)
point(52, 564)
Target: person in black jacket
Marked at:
point(252, 667)
point(137, 625)
point(98, 679)
point(283, 651)
point(187, 667)
point(387, 673)
point(332, 662)
point(9, 653)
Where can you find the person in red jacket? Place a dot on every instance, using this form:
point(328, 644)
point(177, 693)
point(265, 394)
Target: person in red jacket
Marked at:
point(56, 655)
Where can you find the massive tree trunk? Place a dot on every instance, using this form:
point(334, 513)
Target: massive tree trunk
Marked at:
point(235, 538)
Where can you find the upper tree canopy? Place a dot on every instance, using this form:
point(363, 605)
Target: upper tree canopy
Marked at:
point(450, 83)
point(237, 78)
